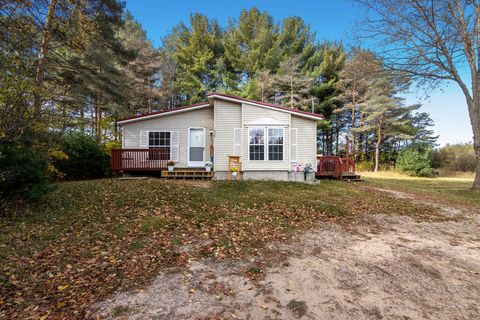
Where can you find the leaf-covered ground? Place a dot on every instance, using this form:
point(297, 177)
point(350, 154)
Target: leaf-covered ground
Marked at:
point(92, 238)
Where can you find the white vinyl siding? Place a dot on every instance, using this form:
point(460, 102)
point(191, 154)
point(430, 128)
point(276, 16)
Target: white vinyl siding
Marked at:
point(306, 141)
point(277, 119)
point(178, 124)
point(228, 116)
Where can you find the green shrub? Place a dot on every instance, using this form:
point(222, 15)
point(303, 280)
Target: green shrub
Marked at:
point(455, 157)
point(365, 166)
point(86, 159)
point(414, 162)
point(22, 173)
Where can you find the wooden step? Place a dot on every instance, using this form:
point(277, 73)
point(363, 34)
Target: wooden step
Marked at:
point(187, 174)
point(351, 176)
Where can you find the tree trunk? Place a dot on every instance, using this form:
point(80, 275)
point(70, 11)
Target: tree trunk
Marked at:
point(377, 155)
point(337, 134)
point(291, 92)
point(149, 102)
point(377, 144)
point(474, 112)
point(42, 55)
point(354, 102)
point(115, 130)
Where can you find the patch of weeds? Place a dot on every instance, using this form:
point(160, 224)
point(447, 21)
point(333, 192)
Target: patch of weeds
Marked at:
point(151, 224)
point(4, 282)
point(120, 311)
point(255, 273)
point(254, 270)
point(298, 308)
point(177, 240)
point(120, 230)
point(226, 243)
point(135, 246)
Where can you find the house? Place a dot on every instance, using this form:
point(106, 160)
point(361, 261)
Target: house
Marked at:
point(270, 140)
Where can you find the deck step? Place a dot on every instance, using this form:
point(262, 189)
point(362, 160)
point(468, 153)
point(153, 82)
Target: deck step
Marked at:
point(187, 174)
point(354, 177)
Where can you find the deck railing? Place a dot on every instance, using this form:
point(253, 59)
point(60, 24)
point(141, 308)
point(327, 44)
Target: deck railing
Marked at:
point(334, 166)
point(140, 159)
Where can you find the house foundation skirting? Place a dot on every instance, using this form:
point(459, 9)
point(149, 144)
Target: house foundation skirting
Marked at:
point(268, 175)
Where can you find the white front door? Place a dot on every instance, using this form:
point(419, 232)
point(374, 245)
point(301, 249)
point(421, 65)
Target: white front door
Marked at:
point(196, 147)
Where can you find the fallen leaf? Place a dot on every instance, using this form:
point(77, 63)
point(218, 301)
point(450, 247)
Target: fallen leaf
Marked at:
point(61, 288)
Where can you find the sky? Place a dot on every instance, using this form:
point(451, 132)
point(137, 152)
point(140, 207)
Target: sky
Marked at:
point(332, 20)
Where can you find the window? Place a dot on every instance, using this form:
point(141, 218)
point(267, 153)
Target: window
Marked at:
point(256, 143)
point(275, 144)
point(159, 145)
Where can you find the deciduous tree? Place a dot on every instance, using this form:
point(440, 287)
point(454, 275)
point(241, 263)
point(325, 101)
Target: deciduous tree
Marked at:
point(432, 42)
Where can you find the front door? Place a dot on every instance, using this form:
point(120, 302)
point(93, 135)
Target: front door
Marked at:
point(196, 147)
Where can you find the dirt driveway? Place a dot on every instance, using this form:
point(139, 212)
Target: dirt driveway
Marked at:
point(390, 267)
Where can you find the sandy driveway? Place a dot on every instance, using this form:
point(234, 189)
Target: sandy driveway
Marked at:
point(388, 268)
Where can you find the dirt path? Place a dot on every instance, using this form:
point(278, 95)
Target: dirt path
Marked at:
point(389, 268)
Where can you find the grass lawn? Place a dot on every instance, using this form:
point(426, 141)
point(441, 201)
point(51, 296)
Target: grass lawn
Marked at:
point(454, 190)
point(91, 238)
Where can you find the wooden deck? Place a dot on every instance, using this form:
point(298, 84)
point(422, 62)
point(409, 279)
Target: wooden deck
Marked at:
point(336, 168)
point(125, 160)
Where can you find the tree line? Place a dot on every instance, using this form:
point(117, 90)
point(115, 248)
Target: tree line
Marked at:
point(79, 66)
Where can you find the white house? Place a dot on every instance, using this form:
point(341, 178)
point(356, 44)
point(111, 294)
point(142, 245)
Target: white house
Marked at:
point(270, 140)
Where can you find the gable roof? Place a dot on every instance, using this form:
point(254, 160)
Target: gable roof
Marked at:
point(221, 96)
point(305, 114)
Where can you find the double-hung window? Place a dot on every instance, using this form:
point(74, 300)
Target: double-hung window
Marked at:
point(265, 143)
point(256, 143)
point(275, 143)
point(159, 143)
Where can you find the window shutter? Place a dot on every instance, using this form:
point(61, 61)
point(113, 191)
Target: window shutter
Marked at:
point(174, 141)
point(237, 141)
point(143, 139)
point(293, 144)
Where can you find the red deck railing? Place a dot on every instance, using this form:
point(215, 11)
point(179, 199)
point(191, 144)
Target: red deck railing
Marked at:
point(332, 166)
point(140, 159)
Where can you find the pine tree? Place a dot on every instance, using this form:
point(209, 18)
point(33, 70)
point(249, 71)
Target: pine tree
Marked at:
point(325, 66)
point(354, 80)
point(292, 85)
point(384, 113)
point(250, 44)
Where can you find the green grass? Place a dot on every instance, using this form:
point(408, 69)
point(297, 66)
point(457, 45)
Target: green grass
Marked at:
point(455, 190)
point(91, 238)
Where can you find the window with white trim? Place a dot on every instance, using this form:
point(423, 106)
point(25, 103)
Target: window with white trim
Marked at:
point(159, 142)
point(275, 143)
point(256, 143)
point(265, 143)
